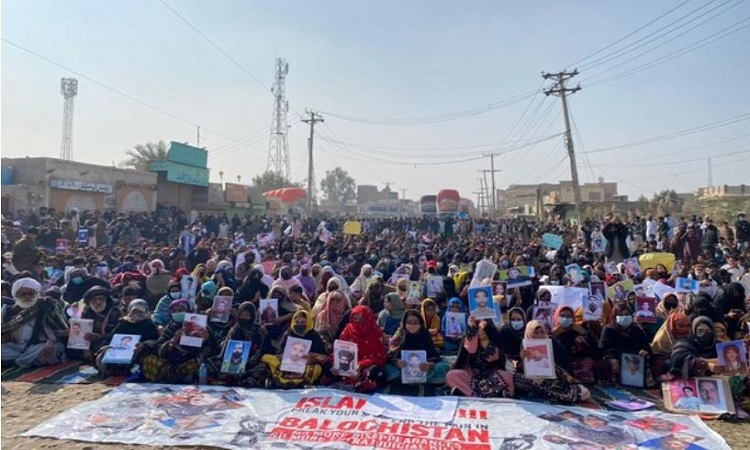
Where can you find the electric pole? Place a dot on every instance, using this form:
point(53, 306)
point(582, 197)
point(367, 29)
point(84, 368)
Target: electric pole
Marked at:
point(314, 118)
point(710, 174)
point(560, 90)
point(494, 190)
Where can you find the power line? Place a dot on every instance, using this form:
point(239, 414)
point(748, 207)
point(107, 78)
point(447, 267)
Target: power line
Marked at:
point(118, 92)
point(215, 45)
point(629, 34)
point(686, 132)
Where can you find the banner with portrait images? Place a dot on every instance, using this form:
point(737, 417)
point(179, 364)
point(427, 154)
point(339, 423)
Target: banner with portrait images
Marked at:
point(235, 418)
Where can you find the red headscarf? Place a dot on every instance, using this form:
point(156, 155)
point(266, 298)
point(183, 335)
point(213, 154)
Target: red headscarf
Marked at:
point(367, 335)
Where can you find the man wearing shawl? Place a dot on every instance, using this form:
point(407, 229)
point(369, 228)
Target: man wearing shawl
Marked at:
point(33, 328)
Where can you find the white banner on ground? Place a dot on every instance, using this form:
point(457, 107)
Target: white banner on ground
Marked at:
point(233, 418)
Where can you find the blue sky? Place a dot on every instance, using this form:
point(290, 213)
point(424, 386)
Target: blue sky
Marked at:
point(390, 60)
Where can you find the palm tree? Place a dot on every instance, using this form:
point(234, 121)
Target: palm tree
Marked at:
point(141, 155)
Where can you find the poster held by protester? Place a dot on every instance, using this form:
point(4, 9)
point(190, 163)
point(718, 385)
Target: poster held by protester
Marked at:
point(414, 293)
point(235, 356)
point(484, 269)
point(121, 349)
point(516, 276)
point(78, 330)
point(698, 395)
point(574, 273)
point(353, 227)
point(269, 310)
point(455, 324)
point(632, 370)
point(434, 285)
point(221, 308)
point(592, 307)
point(646, 309)
point(193, 327)
point(345, 357)
point(294, 358)
point(552, 241)
point(61, 245)
point(83, 237)
point(732, 358)
point(631, 267)
point(412, 372)
point(189, 286)
point(682, 284)
point(539, 361)
point(481, 303)
point(265, 240)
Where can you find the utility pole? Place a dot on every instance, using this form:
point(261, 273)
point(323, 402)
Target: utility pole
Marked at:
point(560, 90)
point(314, 118)
point(494, 190)
point(199, 137)
point(710, 174)
point(483, 195)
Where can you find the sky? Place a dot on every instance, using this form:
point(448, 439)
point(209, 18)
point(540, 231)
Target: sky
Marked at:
point(414, 94)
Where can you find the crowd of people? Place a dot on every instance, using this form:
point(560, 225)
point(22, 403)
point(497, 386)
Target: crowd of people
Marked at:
point(128, 275)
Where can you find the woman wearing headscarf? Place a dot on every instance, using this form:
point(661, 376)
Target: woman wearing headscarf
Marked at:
point(161, 314)
point(171, 361)
point(689, 356)
point(677, 327)
point(333, 285)
point(246, 329)
point(253, 289)
point(389, 319)
point(363, 331)
point(413, 335)
point(136, 322)
point(479, 370)
point(34, 329)
point(205, 298)
point(225, 277)
point(343, 285)
point(578, 343)
point(308, 282)
point(731, 305)
point(432, 322)
point(332, 319)
point(285, 279)
point(618, 337)
point(374, 295)
point(216, 326)
point(362, 282)
point(105, 313)
point(157, 282)
point(178, 274)
point(302, 328)
point(201, 272)
point(287, 309)
point(511, 334)
point(563, 388)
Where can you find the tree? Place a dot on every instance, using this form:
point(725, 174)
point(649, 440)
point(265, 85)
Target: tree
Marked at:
point(141, 155)
point(338, 187)
point(270, 180)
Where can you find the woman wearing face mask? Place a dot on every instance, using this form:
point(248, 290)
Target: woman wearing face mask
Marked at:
point(511, 334)
point(100, 308)
point(136, 322)
point(172, 362)
point(362, 282)
point(253, 289)
point(78, 283)
point(246, 329)
point(161, 316)
point(34, 329)
point(618, 337)
point(205, 298)
point(689, 356)
point(285, 279)
point(564, 387)
point(302, 328)
point(676, 328)
point(363, 330)
point(578, 343)
point(479, 370)
point(389, 319)
point(413, 335)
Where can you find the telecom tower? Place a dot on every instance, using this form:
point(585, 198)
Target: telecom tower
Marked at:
point(278, 147)
point(69, 89)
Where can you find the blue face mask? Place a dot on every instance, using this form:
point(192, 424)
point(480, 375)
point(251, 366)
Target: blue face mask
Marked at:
point(178, 317)
point(566, 322)
point(624, 321)
point(516, 324)
point(174, 295)
point(77, 280)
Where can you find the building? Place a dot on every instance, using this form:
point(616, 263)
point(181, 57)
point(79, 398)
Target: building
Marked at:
point(531, 199)
point(367, 194)
point(64, 185)
point(724, 191)
point(183, 177)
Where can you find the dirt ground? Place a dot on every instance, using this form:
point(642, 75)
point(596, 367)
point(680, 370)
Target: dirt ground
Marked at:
point(25, 405)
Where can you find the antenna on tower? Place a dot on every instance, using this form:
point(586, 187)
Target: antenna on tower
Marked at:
point(69, 89)
point(278, 147)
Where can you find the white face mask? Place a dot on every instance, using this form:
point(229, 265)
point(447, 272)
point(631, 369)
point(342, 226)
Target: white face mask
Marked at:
point(27, 302)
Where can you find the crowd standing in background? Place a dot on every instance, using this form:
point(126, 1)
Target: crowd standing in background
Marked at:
point(393, 287)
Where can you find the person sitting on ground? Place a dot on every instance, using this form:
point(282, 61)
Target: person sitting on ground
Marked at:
point(413, 335)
